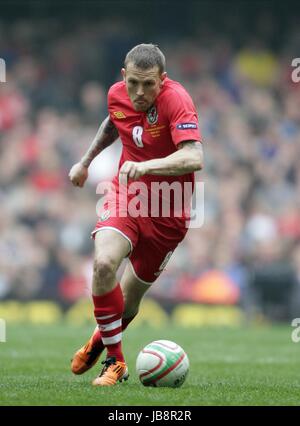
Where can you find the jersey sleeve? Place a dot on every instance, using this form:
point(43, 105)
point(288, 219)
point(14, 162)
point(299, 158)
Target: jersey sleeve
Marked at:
point(183, 117)
point(110, 102)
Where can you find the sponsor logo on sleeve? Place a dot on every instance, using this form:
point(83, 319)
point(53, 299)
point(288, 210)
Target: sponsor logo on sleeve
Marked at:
point(186, 126)
point(119, 114)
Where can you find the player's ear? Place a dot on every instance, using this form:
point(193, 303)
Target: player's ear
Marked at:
point(162, 78)
point(123, 72)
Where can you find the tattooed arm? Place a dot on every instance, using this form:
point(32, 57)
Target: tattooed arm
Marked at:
point(106, 135)
point(187, 159)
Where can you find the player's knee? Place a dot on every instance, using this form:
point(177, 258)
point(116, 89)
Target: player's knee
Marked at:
point(104, 268)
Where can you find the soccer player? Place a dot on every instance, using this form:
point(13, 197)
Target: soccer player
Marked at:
point(157, 123)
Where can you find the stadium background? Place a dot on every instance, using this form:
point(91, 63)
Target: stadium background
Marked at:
point(235, 60)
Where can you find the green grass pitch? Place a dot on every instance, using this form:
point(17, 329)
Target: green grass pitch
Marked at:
point(229, 366)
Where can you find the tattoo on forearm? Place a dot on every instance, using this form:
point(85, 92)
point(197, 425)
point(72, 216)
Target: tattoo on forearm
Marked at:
point(105, 136)
point(110, 129)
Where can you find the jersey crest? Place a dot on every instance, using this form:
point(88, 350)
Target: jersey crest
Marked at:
point(152, 115)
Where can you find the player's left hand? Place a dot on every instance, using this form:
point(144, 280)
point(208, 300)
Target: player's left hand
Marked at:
point(131, 170)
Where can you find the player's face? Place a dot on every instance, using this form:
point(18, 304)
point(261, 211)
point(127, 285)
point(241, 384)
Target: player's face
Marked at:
point(143, 86)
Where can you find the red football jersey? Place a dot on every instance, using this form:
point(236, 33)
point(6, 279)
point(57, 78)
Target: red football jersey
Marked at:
point(155, 133)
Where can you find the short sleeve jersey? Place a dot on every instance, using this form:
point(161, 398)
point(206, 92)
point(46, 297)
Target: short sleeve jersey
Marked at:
point(156, 133)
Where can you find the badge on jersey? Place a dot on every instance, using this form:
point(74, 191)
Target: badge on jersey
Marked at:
point(119, 114)
point(152, 115)
point(163, 265)
point(186, 126)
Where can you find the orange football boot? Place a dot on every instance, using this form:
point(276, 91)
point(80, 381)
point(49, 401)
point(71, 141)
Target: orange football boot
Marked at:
point(87, 356)
point(112, 372)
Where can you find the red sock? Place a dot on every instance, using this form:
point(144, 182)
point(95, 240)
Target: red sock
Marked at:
point(97, 339)
point(108, 313)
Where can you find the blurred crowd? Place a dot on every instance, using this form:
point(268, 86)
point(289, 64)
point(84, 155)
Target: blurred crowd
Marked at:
point(247, 251)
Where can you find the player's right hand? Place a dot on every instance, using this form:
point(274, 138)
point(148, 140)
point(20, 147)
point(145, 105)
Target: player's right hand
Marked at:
point(78, 174)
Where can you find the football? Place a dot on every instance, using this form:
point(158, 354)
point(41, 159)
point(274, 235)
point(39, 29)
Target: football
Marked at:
point(162, 363)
